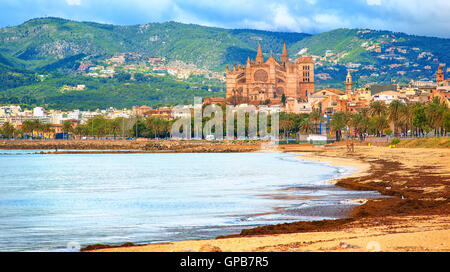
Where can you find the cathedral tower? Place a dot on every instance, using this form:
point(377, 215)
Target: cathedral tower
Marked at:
point(348, 84)
point(439, 76)
point(284, 56)
point(259, 56)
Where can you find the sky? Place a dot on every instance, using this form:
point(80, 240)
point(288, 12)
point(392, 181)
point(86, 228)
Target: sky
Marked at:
point(419, 17)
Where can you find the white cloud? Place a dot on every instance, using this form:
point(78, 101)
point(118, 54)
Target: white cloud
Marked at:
point(373, 2)
point(328, 20)
point(73, 2)
point(283, 19)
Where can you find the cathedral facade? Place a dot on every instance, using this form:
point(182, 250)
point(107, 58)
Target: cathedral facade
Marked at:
point(266, 81)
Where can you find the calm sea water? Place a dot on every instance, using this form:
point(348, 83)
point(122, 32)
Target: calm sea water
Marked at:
point(48, 201)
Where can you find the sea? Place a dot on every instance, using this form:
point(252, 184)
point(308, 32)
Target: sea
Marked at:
point(63, 202)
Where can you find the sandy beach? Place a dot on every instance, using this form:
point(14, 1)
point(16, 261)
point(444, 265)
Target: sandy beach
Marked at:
point(414, 218)
point(390, 234)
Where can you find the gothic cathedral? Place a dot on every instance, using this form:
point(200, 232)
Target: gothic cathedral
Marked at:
point(266, 81)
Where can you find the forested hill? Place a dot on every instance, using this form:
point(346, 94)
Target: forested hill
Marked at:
point(39, 42)
point(55, 48)
point(50, 43)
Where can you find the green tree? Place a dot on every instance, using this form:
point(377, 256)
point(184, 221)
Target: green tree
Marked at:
point(396, 113)
point(122, 76)
point(283, 99)
point(420, 119)
point(435, 115)
point(315, 118)
point(114, 126)
point(446, 123)
point(360, 123)
point(67, 126)
point(8, 130)
point(337, 124)
point(139, 77)
point(378, 124)
point(27, 127)
point(377, 109)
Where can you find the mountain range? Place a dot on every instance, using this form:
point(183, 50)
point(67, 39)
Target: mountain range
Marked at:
point(55, 45)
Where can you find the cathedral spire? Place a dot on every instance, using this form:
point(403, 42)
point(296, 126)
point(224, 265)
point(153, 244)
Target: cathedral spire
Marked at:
point(284, 55)
point(348, 78)
point(259, 55)
point(348, 83)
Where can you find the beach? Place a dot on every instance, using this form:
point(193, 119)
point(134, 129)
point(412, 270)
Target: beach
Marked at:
point(415, 216)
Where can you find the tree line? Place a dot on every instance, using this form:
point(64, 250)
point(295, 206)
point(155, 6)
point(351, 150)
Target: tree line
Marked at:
point(415, 119)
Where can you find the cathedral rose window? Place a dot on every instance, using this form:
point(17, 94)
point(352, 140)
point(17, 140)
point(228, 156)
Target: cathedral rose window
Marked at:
point(261, 75)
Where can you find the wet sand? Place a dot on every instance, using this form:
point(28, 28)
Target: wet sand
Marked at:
point(409, 233)
point(414, 218)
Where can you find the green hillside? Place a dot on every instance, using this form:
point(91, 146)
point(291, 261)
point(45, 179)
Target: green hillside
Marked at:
point(104, 93)
point(38, 56)
point(352, 40)
point(40, 42)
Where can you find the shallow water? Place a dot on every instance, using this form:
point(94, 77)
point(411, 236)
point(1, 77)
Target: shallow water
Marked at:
point(48, 201)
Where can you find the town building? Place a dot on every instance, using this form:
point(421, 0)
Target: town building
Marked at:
point(268, 81)
point(214, 100)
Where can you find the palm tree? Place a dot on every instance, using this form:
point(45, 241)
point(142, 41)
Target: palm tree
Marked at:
point(408, 117)
point(395, 109)
point(360, 122)
point(337, 124)
point(304, 125)
point(80, 130)
point(67, 127)
point(378, 124)
point(27, 127)
point(8, 130)
point(114, 126)
point(46, 128)
point(435, 112)
point(377, 109)
point(315, 118)
point(446, 123)
point(285, 126)
point(36, 126)
point(420, 119)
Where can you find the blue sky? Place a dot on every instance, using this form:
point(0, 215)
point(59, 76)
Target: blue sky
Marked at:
point(420, 17)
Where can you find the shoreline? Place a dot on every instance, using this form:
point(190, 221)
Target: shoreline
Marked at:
point(391, 172)
point(131, 146)
point(416, 179)
point(359, 168)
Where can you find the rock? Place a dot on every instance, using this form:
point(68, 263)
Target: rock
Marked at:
point(209, 248)
point(344, 245)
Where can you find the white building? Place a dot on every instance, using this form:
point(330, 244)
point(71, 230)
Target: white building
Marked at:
point(387, 96)
point(39, 112)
